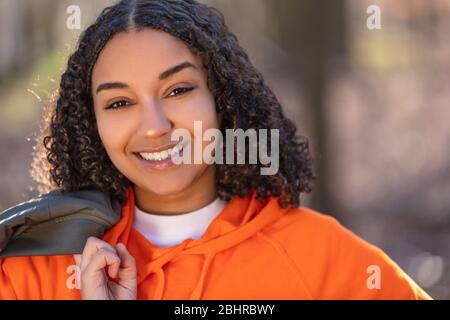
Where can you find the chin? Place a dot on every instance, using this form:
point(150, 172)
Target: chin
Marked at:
point(166, 188)
point(166, 191)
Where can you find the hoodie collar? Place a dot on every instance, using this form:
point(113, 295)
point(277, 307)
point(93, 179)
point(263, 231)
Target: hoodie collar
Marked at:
point(242, 218)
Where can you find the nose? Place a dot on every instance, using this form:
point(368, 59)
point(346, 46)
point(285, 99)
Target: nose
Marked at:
point(154, 122)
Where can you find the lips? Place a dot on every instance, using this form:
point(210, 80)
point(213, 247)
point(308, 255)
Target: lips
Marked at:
point(159, 162)
point(158, 149)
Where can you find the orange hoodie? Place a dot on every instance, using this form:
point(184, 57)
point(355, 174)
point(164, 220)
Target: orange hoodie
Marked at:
point(252, 250)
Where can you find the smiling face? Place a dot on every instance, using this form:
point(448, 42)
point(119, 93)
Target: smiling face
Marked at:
point(145, 85)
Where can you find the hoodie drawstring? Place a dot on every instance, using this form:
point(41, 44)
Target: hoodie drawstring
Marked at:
point(198, 290)
point(161, 282)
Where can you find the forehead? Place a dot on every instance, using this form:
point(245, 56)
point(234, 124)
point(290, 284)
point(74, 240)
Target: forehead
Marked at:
point(146, 52)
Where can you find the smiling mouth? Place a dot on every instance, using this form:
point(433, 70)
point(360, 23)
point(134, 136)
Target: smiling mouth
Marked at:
point(161, 155)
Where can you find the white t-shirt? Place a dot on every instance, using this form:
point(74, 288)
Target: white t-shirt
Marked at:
point(169, 230)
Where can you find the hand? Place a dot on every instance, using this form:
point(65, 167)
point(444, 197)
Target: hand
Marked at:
point(100, 259)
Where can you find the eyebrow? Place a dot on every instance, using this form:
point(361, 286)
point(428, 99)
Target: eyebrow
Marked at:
point(164, 75)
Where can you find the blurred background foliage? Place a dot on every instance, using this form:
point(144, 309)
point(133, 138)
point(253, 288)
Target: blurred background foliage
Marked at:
point(374, 104)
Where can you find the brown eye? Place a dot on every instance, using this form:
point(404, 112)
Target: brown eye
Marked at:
point(117, 105)
point(180, 90)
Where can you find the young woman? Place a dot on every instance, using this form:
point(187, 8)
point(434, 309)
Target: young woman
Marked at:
point(144, 69)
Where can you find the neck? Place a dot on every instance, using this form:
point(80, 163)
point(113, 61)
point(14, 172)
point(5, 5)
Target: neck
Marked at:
point(201, 193)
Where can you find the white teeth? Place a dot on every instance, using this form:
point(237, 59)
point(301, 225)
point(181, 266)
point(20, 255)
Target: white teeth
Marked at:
point(161, 155)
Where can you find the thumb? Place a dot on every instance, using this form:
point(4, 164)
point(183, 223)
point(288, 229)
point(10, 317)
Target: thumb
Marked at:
point(127, 269)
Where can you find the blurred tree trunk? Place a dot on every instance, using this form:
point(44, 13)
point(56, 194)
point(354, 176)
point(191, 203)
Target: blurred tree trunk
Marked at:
point(13, 37)
point(313, 32)
point(26, 32)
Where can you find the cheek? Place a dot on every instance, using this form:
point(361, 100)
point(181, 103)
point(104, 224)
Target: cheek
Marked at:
point(203, 109)
point(113, 134)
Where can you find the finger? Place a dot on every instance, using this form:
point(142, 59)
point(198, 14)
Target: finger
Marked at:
point(126, 293)
point(91, 247)
point(101, 259)
point(77, 258)
point(87, 258)
point(127, 261)
point(128, 271)
point(127, 276)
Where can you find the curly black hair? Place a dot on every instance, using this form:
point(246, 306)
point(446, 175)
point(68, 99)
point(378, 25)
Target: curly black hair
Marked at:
point(70, 155)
